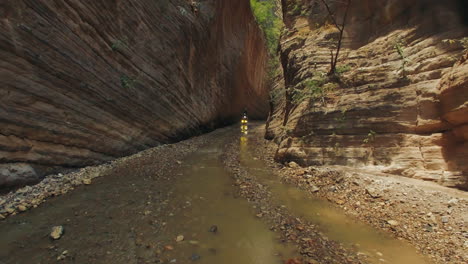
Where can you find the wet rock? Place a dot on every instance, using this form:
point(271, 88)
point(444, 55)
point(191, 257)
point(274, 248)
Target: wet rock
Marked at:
point(194, 242)
point(147, 212)
point(9, 210)
point(22, 208)
point(63, 255)
point(213, 229)
point(168, 247)
point(86, 181)
point(57, 232)
point(195, 257)
point(179, 238)
point(314, 188)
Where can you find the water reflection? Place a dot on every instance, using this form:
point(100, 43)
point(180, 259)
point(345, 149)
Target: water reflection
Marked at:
point(331, 221)
point(241, 237)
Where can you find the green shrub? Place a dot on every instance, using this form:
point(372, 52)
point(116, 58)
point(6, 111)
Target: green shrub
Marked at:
point(370, 137)
point(404, 60)
point(127, 82)
point(265, 13)
point(343, 69)
point(276, 94)
point(119, 44)
point(316, 88)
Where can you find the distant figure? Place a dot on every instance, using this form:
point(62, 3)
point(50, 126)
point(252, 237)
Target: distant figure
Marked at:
point(244, 121)
point(194, 6)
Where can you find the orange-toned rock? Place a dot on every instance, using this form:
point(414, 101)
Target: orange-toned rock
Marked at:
point(400, 103)
point(83, 82)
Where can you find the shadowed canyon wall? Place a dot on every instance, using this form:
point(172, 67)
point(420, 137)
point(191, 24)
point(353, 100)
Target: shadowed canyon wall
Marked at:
point(84, 82)
point(400, 104)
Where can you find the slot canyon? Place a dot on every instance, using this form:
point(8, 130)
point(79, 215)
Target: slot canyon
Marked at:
point(234, 131)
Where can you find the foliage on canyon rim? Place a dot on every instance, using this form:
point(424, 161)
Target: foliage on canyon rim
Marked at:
point(267, 17)
point(265, 13)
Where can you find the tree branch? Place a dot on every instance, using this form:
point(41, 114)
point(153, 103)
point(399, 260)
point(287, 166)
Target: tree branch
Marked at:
point(331, 14)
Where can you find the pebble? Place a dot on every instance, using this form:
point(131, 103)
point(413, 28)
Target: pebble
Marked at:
point(314, 188)
point(195, 257)
point(63, 255)
point(393, 222)
point(86, 181)
point(444, 219)
point(193, 242)
point(452, 202)
point(22, 208)
point(57, 232)
point(373, 192)
point(213, 229)
point(168, 247)
point(179, 238)
point(293, 165)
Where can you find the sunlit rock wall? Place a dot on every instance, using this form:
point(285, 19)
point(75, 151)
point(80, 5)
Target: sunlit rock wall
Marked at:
point(83, 82)
point(410, 120)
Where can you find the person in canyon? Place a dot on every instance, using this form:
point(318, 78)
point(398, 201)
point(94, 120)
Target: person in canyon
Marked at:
point(194, 6)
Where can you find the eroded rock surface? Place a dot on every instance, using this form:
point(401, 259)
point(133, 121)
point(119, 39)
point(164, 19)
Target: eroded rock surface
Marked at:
point(400, 103)
point(84, 82)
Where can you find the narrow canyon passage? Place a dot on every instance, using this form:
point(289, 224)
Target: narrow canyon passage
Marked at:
point(234, 131)
point(127, 217)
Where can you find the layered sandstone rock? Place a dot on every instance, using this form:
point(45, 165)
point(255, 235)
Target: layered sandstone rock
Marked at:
point(401, 104)
point(83, 82)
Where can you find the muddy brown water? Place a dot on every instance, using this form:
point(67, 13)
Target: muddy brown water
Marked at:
point(379, 247)
point(131, 216)
point(135, 216)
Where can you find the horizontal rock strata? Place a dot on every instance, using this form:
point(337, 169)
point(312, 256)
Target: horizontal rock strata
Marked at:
point(400, 103)
point(84, 82)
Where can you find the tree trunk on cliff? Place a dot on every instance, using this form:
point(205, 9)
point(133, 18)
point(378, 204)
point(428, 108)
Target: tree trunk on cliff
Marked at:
point(341, 28)
point(287, 107)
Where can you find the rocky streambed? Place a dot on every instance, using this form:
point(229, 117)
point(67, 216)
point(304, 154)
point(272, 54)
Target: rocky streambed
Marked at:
point(215, 199)
point(432, 218)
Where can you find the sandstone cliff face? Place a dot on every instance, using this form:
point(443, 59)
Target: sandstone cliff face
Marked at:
point(400, 106)
point(83, 82)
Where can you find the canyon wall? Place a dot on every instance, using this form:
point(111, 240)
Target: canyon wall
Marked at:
point(400, 101)
point(83, 82)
